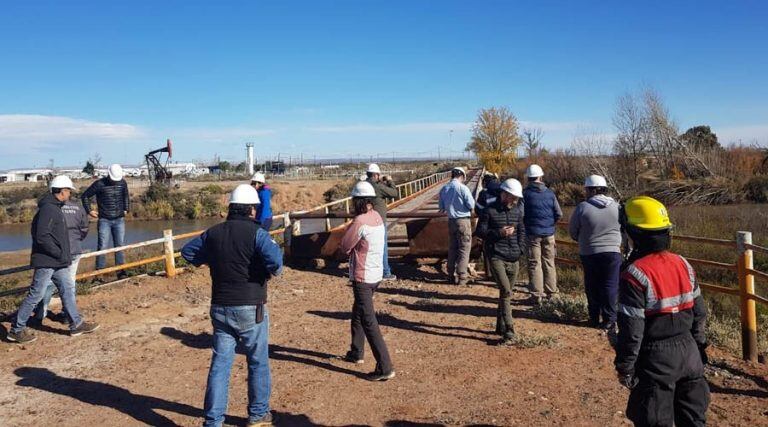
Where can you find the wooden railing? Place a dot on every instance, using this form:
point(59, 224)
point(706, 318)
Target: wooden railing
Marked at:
point(745, 272)
point(406, 191)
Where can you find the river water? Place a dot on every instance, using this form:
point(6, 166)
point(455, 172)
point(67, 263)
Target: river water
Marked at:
point(15, 237)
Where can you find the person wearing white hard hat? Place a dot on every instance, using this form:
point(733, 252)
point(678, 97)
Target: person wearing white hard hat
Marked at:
point(114, 202)
point(385, 189)
point(363, 241)
point(264, 212)
point(77, 228)
point(457, 202)
point(242, 257)
point(595, 225)
point(542, 211)
point(503, 232)
point(51, 259)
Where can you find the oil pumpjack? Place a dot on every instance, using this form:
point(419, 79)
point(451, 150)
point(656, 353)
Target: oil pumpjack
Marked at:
point(158, 172)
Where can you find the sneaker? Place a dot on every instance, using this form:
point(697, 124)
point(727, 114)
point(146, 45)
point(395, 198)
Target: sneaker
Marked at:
point(608, 327)
point(122, 275)
point(351, 358)
point(389, 278)
point(506, 342)
point(84, 328)
point(59, 317)
point(264, 421)
point(380, 376)
point(22, 337)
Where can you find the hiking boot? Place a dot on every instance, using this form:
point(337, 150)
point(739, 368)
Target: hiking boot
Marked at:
point(534, 300)
point(506, 342)
point(22, 337)
point(264, 421)
point(59, 317)
point(84, 328)
point(380, 376)
point(389, 278)
point(351, 358)
point(122, 275)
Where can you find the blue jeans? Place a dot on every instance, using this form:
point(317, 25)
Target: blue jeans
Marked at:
point(114, 229)
point(233, 324)
point(387, 271)
point(42, 307)
point(42, 277)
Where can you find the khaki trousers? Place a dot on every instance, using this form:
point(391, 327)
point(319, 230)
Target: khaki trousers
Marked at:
point(460, 236)
point(542, 275)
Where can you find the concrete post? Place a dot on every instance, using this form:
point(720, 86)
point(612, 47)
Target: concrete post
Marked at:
point(170, 260)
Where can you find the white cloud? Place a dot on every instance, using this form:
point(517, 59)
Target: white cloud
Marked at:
point(401, 127)
point(24, 128)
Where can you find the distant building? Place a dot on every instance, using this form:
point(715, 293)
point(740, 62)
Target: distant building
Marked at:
point(26, 175)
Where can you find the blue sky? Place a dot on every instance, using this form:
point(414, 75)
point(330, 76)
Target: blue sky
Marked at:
point(342, 78)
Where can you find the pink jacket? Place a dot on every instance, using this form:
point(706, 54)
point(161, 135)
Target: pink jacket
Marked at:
point(364, 243)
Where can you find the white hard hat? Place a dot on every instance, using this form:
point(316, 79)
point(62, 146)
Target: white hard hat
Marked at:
point(259, 177)
point(363, 189)
point(460, 169)
point(534, 171)
point(62, 181)
point(595, 181)
point(115, 172)
point(513, 187)
point(244, 194)
point(373, 168)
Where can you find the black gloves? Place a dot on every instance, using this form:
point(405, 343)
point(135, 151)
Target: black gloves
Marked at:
point(629, 381)
point(703, 353)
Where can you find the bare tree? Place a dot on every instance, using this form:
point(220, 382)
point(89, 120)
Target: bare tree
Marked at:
point(595, 151)
point(632, 138)
point(531, 138)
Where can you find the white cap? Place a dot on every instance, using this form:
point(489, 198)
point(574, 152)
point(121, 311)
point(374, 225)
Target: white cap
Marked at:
point(115, 172)
point(244, 194)
point(595, 181)
point(373, 168)
point(363, 189)
point(534, 171)
point(62, 181)
point(259, 177)
point(513, 187)
point(460, 169)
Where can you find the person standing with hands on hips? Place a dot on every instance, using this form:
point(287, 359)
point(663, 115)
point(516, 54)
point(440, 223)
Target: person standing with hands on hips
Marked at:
point(114, 202)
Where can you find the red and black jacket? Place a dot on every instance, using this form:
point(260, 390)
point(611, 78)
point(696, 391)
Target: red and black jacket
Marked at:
point(659, 299)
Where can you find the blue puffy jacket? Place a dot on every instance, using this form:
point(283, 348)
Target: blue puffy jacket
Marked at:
point(541, 210)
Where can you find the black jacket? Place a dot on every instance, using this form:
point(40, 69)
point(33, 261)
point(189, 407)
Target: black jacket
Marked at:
point(112, 197)
point(242, 257)
point(50, 238)
point(487, 196)
point(495, 217)
point(383, 192)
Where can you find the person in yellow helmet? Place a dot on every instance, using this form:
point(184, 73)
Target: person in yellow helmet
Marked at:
point(661, 348)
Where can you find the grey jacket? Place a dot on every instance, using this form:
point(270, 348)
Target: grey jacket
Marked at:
point(595, 225)
point(77, 225)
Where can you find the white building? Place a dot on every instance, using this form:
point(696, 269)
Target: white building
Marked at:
point(25, 175)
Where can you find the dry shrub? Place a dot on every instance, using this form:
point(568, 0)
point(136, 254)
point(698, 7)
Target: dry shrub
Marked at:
point(709, 191)
point(756, 189)
point(568, 193)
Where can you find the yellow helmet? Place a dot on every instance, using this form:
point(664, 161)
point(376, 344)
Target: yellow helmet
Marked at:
point(646, 213)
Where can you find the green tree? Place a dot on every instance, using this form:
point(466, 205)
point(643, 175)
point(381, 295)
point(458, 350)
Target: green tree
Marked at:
point(700, 139)
point(495, 138)
point(89, 168)
point(225, 166)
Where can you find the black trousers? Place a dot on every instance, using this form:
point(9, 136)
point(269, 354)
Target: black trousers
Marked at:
point(601, 284)
point(671, 387)
point(365, 325)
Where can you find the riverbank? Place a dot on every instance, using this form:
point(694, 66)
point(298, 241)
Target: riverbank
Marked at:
point(191, 200)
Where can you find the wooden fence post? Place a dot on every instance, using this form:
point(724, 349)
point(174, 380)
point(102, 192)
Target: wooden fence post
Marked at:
point(327, 220)
point(170, 261)
point(747, 289)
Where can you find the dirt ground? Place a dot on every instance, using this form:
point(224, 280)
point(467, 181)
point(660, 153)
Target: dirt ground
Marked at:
point(148, 362)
